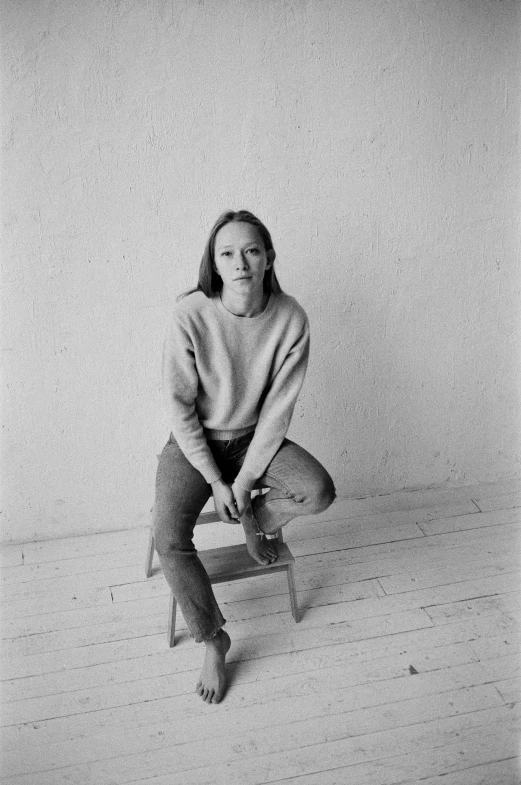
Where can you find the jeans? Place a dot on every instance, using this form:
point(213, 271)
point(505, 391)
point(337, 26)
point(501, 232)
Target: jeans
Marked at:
point(298, 485)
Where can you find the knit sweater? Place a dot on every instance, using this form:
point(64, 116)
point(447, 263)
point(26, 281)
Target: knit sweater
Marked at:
point(226, 375)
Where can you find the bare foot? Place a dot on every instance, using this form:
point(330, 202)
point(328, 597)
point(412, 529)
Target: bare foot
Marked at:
point(262, 550)
point(212, 682)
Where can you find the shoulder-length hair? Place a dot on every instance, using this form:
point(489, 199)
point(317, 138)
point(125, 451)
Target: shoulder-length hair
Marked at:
point(210, 281)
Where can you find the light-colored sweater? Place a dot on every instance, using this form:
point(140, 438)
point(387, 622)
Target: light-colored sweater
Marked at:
point(226, 375)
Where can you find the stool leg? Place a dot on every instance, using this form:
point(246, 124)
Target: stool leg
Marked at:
point(171, 621)
point(293, 593)
point(150, 554)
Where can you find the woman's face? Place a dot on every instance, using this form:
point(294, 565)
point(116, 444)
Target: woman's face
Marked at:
point(241, 259)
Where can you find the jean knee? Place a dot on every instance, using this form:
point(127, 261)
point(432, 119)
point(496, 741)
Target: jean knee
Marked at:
point(169, 539)
point(322, 495)
point(166, 545)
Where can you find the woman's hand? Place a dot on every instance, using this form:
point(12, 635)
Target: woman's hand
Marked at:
point(242, 500)
point(224, 499)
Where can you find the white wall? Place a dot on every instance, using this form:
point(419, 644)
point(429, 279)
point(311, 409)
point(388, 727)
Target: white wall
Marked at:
point(378, 140)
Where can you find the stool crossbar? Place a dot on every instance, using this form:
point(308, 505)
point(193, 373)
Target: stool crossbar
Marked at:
point(231, 563)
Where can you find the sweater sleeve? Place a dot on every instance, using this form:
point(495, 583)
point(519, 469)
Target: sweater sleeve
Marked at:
point(180, 384)
point(276, 412)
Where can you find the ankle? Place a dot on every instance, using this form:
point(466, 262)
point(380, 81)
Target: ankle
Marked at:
point(216, 641)
point(251, 527)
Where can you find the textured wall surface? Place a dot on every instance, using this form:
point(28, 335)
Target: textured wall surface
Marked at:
point(379, 142)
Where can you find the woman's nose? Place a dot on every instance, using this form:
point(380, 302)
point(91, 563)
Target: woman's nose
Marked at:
point(241, 261)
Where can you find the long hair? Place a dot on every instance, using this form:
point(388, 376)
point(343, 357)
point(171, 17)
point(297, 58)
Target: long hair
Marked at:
point(210, 281)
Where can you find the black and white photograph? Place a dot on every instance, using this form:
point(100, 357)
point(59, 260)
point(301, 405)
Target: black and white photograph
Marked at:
point(260, 323)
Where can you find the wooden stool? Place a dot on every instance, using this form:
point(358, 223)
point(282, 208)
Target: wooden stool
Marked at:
point(231, 563)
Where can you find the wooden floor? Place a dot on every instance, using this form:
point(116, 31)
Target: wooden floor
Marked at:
point(404, 668)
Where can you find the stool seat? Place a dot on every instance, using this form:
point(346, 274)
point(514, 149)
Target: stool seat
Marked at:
point(231, 563)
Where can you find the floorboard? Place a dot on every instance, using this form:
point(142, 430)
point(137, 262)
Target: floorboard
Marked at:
point(404, 667)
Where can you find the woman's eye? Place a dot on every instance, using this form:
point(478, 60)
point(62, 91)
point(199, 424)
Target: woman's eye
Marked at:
point(253, 251)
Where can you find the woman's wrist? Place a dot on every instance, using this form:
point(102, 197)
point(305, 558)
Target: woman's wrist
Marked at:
point(245, 480)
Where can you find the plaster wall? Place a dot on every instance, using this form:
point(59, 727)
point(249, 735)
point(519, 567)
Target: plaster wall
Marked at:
point(377, 140)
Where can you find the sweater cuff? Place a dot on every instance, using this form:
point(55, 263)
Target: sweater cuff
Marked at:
point(246, 480)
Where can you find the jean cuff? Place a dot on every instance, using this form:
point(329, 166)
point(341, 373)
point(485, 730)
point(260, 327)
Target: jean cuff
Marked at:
point(208, 637)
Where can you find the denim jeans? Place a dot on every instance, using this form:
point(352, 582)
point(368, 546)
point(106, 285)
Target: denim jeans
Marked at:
point(298, 485)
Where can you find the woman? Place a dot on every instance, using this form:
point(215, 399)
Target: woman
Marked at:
point(234, 360)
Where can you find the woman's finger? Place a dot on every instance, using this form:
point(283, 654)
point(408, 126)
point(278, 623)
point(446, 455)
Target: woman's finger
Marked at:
point(223, 512)
point(232, 509)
